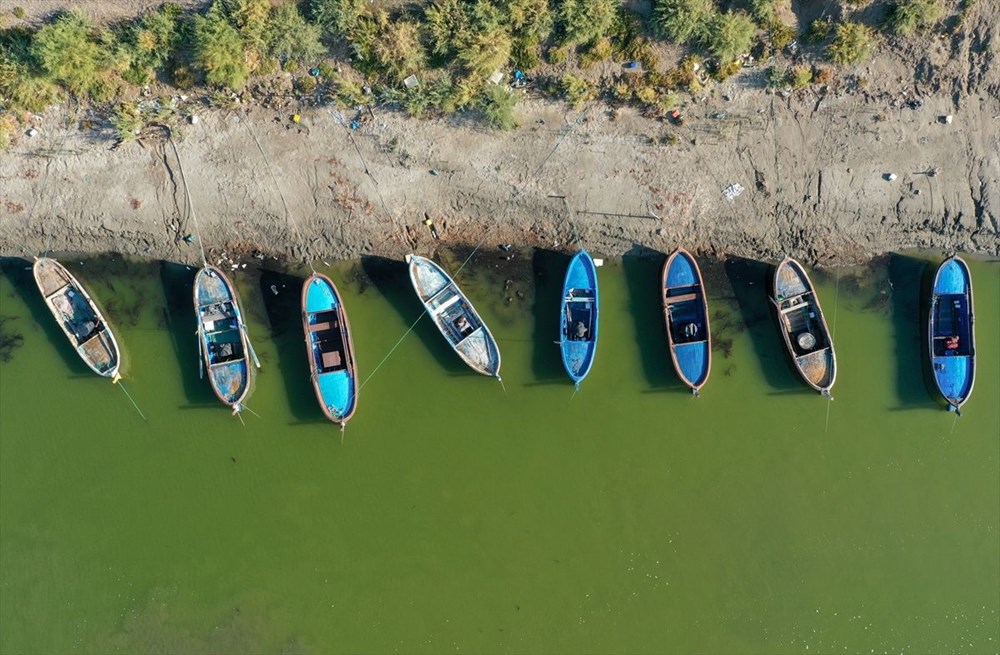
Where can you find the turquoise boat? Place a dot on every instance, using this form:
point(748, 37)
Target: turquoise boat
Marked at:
point(331, 351)
point(951, 333)
point(222, 337)
point(578, 317)
point(685, 310)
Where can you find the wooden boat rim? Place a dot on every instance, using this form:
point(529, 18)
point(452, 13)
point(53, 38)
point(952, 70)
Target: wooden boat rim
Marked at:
point(345, 331)
point(111, 373)
point(243, 335)
point(671, 346)
point(789, 261)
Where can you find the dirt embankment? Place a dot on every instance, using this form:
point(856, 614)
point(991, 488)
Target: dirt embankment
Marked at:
point(815, 169)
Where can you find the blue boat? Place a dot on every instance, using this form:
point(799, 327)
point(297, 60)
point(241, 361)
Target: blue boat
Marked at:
point(331, 351)
point(578, 317)
point(222, 337)
point(685, 310)
point(951, 333)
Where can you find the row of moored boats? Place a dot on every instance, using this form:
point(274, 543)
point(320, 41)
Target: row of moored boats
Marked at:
point(228, 360)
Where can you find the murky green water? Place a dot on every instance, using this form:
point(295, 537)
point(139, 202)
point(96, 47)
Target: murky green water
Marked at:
point(456, 516)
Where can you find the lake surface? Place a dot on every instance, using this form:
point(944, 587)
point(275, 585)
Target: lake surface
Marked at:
point(456, 515)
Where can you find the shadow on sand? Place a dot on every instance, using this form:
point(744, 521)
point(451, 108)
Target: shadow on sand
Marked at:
point(282, 295)
point(643, 268)
point(750, 281)
point(392, 279)
point(18, 271)
point(548, 269)
point(180, 321)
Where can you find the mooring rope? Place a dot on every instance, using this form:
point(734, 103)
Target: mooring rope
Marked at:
point(129, 396)
point(267, 163)
point(187, 198)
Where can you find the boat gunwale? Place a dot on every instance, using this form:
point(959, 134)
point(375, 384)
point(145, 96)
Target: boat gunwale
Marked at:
point(814, 300)
point(244, 340)
point(954, 402)
point(345, 336)
point(413, 261)
point(695, 387)
point(113, 372)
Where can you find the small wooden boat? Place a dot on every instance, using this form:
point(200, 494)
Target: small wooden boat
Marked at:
point(951, 332)
point(222, 337)
point(331, 351)
point(803, 327)
point(578, 317)
point(685, 310)
point(78, 316)
point(454, 316)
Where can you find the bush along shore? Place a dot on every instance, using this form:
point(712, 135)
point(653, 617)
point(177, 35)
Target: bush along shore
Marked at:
point(432, 58)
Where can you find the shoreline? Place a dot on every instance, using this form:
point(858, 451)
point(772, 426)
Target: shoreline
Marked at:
point(813, 171)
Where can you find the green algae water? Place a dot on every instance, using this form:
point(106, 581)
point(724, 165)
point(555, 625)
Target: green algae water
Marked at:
point(455, 515)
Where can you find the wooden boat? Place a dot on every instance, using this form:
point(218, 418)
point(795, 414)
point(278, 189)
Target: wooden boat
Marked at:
point(331, 351)
point(951, 332)
point(803, 326)
point(454, 316)
point(222, 337)
point(578, 317)
point(685, 310)
point(79, 317)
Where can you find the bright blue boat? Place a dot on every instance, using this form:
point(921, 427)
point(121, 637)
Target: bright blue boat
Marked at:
point(951, 333)
point(331, 351)
point(685, 310)
point(579, 313)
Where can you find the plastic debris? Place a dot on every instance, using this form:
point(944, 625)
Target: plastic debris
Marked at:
point(296, 118)
point(189, 238)
point(733, 191)
point(193, 119)
point(496, 77)
point(889, 177)
point(314, 72)
point(631, 65)
point(411, 82)
point(433, 172)
point(598, 262)
point(32, 132)
point(947, 119)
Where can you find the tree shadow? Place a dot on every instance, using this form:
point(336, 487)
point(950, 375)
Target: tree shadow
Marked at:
point(750, 281)
point(180, 321)
point(910, 290)
point(19, 272)
point(643, 268)
point(548, 268)
point(392, 279)
point(282, 294)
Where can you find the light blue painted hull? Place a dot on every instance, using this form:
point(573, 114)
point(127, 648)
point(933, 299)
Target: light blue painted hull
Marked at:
point(222, 335)
point(686, 314)
point(579, 307)
point(331, 351)
point(951, 333)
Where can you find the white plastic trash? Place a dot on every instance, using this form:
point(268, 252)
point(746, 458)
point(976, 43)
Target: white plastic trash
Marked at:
point(598, 262)
point(411, 81)
point(733, 191)
point(496, 77)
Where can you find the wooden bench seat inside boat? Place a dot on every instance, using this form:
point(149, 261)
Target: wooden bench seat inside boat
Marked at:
point(682, 298)
point(332, 359)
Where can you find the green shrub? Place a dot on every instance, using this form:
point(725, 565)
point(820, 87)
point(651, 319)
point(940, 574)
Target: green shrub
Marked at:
point(18, 12)
point(582, 21)
point(730, 35)
point(149, 43)
point(781, 35)
point(720, 73)
point(853, 43)
point(21, 89)
point(819, 31)
point(498, 107)
point(763, 12)
point(290, 36)
point(684, 21)
point(447, 26)
point(337, 18)
point(7, 127)
point(776, 77)
point(908, 16)
point(485, 53)
point(577, 90)
point(326, 70)
point(306, 84)
point(390, 47)
point(127, 121)
point(524, 55)
point(219, 49)
point(594, 52)
point(68, 51)
point(531, 21)
point(801, 76)
point(557, 56)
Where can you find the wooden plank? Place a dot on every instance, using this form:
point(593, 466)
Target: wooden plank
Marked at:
point(682, 298)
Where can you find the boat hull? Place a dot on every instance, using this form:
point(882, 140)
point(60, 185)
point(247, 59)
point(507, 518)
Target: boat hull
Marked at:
point(79, 317)
point(579, 312)
point(222, 338)
point(951, 333)
point(330, 349)
point(803, 326)
point(685, 312)
point(455, 317)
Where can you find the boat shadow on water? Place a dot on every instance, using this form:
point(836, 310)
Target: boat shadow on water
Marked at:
point(282, 294)
point(911, 279)
point(18, 271)
point(548, 268)
point(751, 284)
point(179, 319)
point(642, 268)
point(391, 278)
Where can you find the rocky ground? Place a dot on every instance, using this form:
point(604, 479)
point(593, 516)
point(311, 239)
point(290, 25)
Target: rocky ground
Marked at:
point(834, 175)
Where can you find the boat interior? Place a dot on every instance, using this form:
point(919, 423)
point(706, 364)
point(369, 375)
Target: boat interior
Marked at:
point(327, 341)
point(579, 311)
point(952, 329)
point(451, 311)
point(686, 318)
point(222, 332)
point(801, 320)
point(78, 317)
